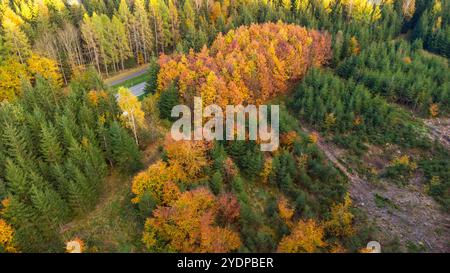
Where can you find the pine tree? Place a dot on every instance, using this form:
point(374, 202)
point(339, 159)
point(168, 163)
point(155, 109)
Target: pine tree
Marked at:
point(126, 18)
point(161, 25)
point(81, 193)
point(51, 158)
point(24, 218)
point(125, 152)
point(16, 178)
point(218, 155)
point(59, 177)
point(188, 23)
point(97, 165)
point(152, 83)
point(15, 142)
point(50, 145)
point(174, 23)
point(100, 25)
point(67, 128)
point(252, 161)
point(167, 100)
point(53, 210)
point(216, 183)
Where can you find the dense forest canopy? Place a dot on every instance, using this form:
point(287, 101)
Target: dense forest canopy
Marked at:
point(363, 88)
point(401, 73)
point(113, 35)
point(54, 153)
point(251, 64)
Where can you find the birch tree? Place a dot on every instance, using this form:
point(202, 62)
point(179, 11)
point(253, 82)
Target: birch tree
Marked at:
point(132, 113)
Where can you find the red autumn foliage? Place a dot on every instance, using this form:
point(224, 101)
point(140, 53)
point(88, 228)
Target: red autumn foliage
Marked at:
point(228, 208)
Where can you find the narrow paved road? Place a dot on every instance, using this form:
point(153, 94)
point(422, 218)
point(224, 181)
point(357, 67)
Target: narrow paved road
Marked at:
point(138, 89)
point(131, 76)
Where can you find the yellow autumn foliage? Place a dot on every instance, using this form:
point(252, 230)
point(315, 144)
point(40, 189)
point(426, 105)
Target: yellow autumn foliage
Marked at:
point(46, 68)
point(132, 114)
point(75, 246)
point(187, 159)
point(6, 237)
point(306, 236)
point(131, 108)
point(434, 110)
point(354, 46)
point(267, 169)
point(341, 221)
point(12, 73)
point(95, 96)
point(156, 180)
point(313, 138)
point(285, 210)
point(362, 10)
point(404, 161)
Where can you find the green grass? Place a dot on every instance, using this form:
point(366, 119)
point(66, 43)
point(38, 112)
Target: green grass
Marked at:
point(132, 82)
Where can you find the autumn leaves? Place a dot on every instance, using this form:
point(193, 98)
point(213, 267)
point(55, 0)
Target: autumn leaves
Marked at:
point(249, 65)
point(13, 74)
point(185, 163)
point(185, 221)
point(310, 235)
point(6, 237)
point(189, 226)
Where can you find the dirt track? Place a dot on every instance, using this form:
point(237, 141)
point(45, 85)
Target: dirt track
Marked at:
point(440, 130)
point(416, 218)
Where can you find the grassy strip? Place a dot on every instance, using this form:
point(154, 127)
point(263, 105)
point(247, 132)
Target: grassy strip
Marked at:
point(132, 82)
point(125, 73)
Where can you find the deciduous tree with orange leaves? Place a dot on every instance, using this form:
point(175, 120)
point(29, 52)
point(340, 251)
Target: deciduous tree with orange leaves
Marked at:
point(189, 226)
point(6, 237)
point(250, 64)
point(228, 207)
point(157, 180)
point(187, 159)
point(285, 210)
point(288, 139)
point(306, 236)
point(434, 110)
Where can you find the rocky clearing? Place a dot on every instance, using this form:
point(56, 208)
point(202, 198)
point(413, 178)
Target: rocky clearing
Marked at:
point(409, 214)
